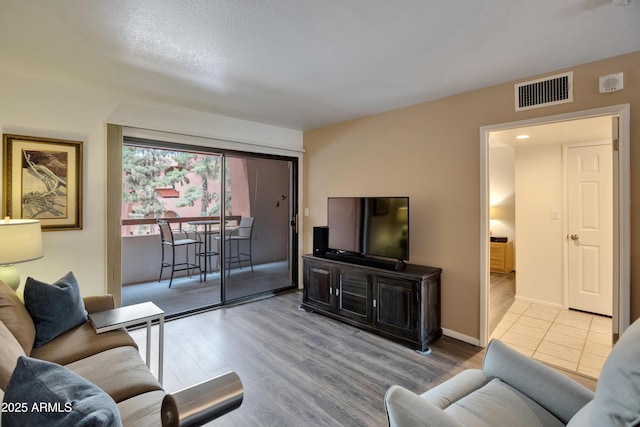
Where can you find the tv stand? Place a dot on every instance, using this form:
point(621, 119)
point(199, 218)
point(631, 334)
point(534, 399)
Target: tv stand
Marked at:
point(400, 305)
point(383, 264)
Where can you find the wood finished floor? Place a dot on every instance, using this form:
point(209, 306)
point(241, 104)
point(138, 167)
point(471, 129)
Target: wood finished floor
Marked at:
point(300, 368)
point(502, 294)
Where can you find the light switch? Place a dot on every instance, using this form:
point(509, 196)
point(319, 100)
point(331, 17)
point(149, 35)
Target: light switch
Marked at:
point(306, 211)
point(555, 213)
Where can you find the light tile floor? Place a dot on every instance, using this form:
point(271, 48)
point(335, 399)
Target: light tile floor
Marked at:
point(572, 340)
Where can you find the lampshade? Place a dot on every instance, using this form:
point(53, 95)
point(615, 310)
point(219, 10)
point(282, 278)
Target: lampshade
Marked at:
point(20, 241)
point(497, 212)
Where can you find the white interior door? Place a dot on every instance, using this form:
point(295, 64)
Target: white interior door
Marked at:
point(590, 228)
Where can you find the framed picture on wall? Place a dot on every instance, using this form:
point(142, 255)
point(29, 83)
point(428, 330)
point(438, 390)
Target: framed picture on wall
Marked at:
point(42, 180)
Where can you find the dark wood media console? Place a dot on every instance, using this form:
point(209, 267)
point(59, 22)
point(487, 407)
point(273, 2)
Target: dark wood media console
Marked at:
point(400, 305)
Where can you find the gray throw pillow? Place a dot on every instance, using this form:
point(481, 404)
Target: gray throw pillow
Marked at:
point(42, 393)
point(55, 308)
point(616, 402)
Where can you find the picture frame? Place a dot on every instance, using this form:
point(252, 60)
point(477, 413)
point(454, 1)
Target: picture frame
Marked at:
point(42, 179)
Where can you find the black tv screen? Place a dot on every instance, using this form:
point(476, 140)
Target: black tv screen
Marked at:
point(374, 226)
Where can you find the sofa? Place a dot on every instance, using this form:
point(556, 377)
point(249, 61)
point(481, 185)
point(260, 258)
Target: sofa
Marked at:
point(75, 376)
point(514, 390)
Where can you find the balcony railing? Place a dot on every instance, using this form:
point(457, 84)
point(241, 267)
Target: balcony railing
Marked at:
point(180, 220)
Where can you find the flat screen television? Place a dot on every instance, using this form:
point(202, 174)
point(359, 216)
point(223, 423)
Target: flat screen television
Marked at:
point(369, 226)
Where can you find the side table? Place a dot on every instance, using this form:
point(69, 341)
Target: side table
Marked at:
point(132, 315)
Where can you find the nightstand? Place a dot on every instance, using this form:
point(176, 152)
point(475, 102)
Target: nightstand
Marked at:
point(502, 257)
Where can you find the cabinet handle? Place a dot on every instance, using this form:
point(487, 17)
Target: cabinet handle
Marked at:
point(337, 292)
point(330, 290)
point(374, 303)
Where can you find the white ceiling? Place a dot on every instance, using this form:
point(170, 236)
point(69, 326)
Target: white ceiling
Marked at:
point(302, 63)
point(593, 129)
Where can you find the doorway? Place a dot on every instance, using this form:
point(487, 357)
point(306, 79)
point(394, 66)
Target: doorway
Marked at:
point(620, 168)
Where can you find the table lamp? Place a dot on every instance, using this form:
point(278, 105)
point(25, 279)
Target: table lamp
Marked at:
point(20, 241)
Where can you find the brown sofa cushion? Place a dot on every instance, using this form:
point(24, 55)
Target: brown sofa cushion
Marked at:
point(10, 350)
point(80, 342)
point(16, 318)
point(119, 371)
point(142, 410)
point(96, 303)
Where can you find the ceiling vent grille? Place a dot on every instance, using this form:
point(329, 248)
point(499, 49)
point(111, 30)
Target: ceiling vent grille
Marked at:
point(543, 92)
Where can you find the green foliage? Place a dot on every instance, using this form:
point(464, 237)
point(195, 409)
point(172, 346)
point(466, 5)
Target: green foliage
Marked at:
point(144, 172)
point(208, 169)
point(147, 169)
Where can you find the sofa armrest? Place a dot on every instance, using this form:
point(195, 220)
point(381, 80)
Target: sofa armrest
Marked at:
point(407, 409)
point(557, 393)
point(94, 304)
point(203, 402)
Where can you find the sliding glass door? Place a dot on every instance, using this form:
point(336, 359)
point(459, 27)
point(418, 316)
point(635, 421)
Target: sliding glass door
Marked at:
point(259, 232)
point(240, 208)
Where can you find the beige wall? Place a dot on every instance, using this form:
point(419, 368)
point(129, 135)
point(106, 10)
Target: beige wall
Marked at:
point(539, 262)
point(502, 192)
point(431, 153)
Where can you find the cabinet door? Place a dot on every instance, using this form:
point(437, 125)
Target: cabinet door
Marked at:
point(317, 284)
point(396, 303)
point(353, 290)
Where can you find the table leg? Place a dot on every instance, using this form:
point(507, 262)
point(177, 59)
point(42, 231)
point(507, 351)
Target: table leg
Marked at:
point(149, 344)
point(209, 234)
point(161, 349)
point(206, 251)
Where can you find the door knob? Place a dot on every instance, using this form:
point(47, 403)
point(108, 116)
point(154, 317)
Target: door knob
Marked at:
point(574, 237)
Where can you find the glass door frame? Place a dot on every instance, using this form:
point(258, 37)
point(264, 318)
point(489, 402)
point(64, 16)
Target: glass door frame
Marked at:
point(293, 205)
point(293, 231)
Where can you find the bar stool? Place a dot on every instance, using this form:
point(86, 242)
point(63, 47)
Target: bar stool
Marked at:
point(168, 240)
point(243, 232)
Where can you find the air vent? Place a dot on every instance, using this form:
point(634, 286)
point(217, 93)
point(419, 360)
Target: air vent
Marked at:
point(543, 92)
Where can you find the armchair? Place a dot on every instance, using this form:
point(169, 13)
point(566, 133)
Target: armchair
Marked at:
point(514, 390)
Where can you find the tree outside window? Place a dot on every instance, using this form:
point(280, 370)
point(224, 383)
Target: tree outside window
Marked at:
point(161, 183)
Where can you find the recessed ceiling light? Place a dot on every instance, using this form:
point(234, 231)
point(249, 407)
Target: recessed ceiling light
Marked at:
point(522, 136)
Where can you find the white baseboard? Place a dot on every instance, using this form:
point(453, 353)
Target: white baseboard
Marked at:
point(460, 337)
point(476, 341)
point(535, 301)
